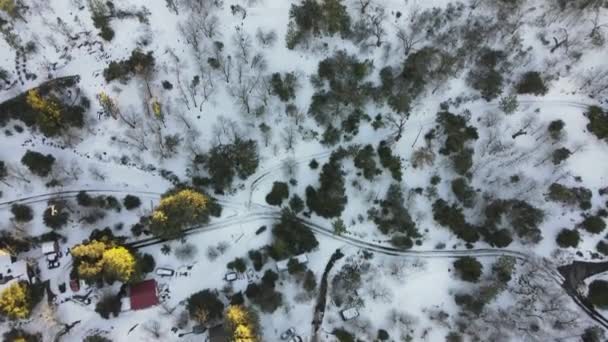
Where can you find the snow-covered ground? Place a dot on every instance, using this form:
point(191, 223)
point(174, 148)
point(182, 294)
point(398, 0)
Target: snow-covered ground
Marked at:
point(406, 302)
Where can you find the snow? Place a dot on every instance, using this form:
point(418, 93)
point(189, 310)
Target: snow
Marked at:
point(100, 160)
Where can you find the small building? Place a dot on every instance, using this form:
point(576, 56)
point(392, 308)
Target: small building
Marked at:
point(282, 265)
point(217, 333)
point(143, 295)
point(50, 249)
point(12, 270)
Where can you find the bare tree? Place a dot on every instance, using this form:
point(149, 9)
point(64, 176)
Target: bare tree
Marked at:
point(153, 327)
point(397, 121)
point(266, 38)
point(242, 40)
point(595, 81)
point(289, 136)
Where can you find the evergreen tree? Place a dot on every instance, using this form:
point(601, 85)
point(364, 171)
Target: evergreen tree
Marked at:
point(204, 307)
point(364, 159)
point(279, 192)
point(330, 199)
point(38, 163)
point(468, 269)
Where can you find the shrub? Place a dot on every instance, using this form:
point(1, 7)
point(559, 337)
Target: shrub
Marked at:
point(314, 164)
point(508, 104)
point(383, 335)
point(238, 264)
point(568, 238)
point(602, 247)
point(279, 192)
point(38, 163)
point(330, 199)
point(402, 241)
point(310, 282)
point(204, 306)
point(594, 224)
point(22, 212)
point(451, 216)
point(464, 193)
point(257, 259)
point(123, 70)
point(20, 335)
point(598, 293)
point(598, 121)
point(96, 338)
point(531, 83)
point(569, 196)
point(108, 305)
point(296, 203)
point(560, 155)
point(468, 269)
point(472, 304)
point(294, 266)
point(523, 218)
point(364, 159)
point(131, 202)
point(555, 129)
point(343, 335)
point(147, 263)
point(283, 87)
point(389, 161)
point(453, 337)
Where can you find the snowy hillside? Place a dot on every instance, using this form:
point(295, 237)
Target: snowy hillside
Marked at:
point(303, 170)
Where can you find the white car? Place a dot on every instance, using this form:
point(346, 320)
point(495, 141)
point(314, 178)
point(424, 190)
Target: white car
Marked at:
point(349, 314)
point(288, 333)
point(164, 272)
point(231, 276)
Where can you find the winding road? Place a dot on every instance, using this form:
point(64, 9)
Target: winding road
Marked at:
point(251, 212)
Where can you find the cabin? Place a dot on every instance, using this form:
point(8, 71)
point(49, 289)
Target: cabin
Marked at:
point(143, 295)
point(12, 270)
point(50, 249)
point(282, 265)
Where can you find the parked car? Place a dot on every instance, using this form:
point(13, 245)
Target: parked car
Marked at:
point(288, 333)
point(74, 285)
point(81, 299)
point(260, 230)
point(164, 272)
point(295, 338)
point(349, 314)
point(231, 276)
point(53, 264)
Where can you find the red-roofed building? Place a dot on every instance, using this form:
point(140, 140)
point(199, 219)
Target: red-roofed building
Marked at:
point(143, 295)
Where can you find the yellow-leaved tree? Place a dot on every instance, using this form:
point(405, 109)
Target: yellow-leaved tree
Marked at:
point(9, 7)
point(108, 104)
point(176, 211)
point(98, 259)
point(119, 264)
point(242, 324)
point(15, 301)
point(49, 118)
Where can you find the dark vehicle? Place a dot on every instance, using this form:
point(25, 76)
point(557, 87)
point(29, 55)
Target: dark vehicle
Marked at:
point(260, 230)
